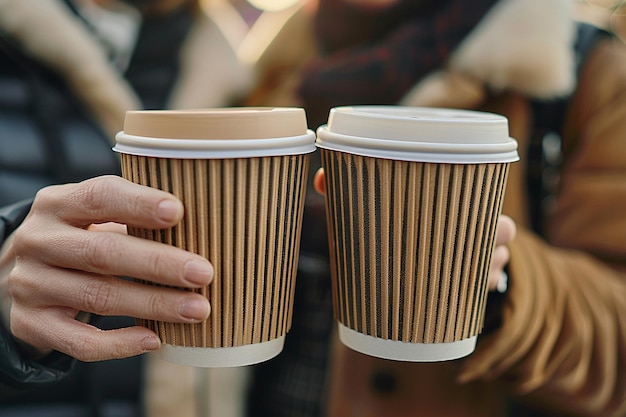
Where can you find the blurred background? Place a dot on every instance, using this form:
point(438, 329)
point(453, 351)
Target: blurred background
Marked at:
point(272, 40)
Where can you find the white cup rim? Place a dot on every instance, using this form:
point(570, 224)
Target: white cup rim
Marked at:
point(419, 134)
point(214, 148)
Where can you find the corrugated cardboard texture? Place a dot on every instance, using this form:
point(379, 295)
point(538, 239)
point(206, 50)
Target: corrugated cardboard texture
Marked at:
point(245, 216)
point(411, 245)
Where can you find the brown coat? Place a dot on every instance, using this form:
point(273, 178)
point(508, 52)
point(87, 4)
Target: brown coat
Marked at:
point(562, 347)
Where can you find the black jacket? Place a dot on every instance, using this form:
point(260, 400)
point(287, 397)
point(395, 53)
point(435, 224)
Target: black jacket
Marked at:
point(47, 138)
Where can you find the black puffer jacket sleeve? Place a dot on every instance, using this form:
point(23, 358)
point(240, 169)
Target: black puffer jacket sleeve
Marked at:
point(18, 373)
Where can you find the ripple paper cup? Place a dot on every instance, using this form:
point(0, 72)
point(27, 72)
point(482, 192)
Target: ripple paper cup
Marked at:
point(413, 197)
point(241, 175)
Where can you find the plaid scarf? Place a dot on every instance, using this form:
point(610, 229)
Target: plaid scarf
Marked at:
point(376, 56)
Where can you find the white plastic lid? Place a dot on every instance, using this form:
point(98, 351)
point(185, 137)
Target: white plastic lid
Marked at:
point(419, 134)
point(237, 132)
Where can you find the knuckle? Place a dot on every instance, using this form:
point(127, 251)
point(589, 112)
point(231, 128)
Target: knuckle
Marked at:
point(15, 288)
point(20, 286)
point(159, 264)
point(98, 297)
point(25, 239)
point(19, 326)
point(105, 193)
point(96, 192)
point(26, 325)
point(83, 348)
point(93, 347)
point(161, 303)
point(157, 303)
point(45, 195)
point(117, 351)
point(98, 251)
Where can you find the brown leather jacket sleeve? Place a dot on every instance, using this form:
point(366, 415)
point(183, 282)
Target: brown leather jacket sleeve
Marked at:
point(563, 339)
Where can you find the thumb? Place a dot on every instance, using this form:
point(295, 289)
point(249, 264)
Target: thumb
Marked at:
point(318, 182)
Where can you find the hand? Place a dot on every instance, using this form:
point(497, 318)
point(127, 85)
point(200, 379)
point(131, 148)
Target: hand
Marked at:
point(505, 233)
point(67, 258)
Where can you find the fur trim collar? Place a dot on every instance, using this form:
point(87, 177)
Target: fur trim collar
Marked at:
point(521, 45)
point(211, 74)
point(53, 35)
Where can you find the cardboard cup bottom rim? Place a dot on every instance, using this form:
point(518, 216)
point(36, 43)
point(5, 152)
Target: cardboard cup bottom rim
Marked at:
point(221, 357)
point(404, 351)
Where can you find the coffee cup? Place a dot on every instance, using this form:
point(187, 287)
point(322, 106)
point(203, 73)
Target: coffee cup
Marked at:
point(413, 197)
point(241, 175)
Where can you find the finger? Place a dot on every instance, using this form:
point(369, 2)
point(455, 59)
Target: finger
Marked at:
point(111, 296)
point(57, 330)
point(109, 199)
point(318, 182)
point(499, 259)
point(506, 230)
point(494, 279)
point(110, 253)
point(498, 280)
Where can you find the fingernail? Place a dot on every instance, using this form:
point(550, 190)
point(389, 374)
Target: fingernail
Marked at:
point(194, 308)
point(168, 210)
point(198, 273)
point(150, 343)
